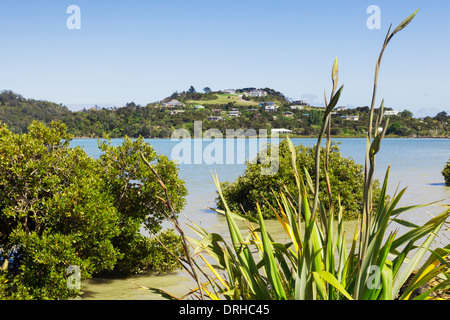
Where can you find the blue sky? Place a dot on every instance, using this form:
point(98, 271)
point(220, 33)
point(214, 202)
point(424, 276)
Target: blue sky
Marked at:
point(143, 51)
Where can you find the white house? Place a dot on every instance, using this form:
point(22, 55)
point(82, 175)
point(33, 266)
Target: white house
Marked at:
point(281, 131)
point(271, 108)
point(197, 107)
point(253, 92)
point(296, 107)
point(173, 103)
point(300, 102)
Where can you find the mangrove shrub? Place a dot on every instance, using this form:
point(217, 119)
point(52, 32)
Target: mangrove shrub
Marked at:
point(346, 181)
point(61, 209)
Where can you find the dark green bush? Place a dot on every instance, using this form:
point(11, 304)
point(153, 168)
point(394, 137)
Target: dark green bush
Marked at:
point(346, 180)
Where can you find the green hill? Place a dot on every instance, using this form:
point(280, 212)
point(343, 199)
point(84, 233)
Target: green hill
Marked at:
point(18, 112)
point(154, 120)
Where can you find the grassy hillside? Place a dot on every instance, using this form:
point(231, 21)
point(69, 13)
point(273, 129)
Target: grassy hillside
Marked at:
point(224, 99)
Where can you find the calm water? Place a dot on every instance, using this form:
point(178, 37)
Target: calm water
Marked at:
point(415, 164)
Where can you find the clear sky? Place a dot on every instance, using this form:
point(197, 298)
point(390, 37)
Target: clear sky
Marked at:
point(144, 50)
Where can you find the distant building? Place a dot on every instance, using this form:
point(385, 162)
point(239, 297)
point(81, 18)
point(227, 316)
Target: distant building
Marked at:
point(173, 103)
point(271, 108)
point(234, 113)
point(300, 102)
point(262, 104)
point(391, 113)
point(281, 131)
point(197, 107)
point(288, 114)
point(257, 93)
point(297, 107)
point(340, 108)
point(229, 91)
point(253, 92)
point(351, 118)
point(217, 110)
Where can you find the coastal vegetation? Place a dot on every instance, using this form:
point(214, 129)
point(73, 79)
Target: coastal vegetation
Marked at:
point(61, 209)
point(317, 262)
point(346, 181)
point(156, 120)
point(63, 212)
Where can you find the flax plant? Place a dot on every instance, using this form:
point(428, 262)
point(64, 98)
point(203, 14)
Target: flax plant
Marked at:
point(317, 262)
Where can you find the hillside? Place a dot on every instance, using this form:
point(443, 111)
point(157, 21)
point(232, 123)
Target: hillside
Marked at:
point(18, 112)
point(215, 110)
point(223, 99)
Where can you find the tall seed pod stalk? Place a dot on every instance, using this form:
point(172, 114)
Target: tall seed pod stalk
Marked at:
point(374, 137)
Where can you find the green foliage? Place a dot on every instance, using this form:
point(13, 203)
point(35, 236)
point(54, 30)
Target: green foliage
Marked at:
point(135, 193)
point(446, 173)
point(346, 180)
point(61, 207)
point(315, 118)
point(18, 113)
point(132, 184)
point(52, 197)
point(154, 121)
point(317, 262)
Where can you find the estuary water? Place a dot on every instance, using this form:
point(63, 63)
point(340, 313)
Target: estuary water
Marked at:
point(414, 163)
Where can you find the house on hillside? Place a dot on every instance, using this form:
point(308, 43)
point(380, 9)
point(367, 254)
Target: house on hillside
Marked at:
point(174, 112)
point(300, 102)
point(288, 114)
point(270, 108)
point(340, 108)
point(229, 91)
point(257, 93)
point(234, 113)
point(173, 103)
point(198, 107)
point(296, 107)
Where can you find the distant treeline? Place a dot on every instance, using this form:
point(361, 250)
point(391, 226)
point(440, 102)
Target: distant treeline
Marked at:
point(156, 121)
